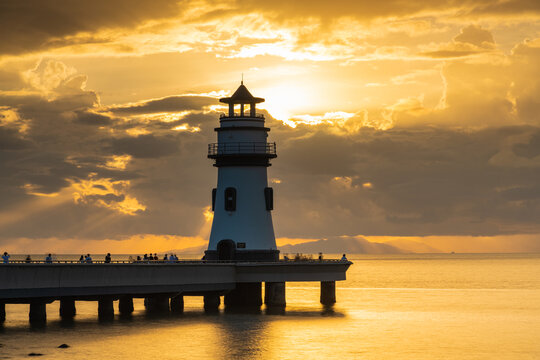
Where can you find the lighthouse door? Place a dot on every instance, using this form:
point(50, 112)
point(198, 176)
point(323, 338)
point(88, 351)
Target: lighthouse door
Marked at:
point(226, 249)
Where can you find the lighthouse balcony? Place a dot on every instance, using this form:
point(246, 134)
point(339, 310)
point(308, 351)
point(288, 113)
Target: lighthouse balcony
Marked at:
point(268, 150)
point(242, 153)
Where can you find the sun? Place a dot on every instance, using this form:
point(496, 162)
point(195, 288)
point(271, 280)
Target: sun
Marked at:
point(285, 100)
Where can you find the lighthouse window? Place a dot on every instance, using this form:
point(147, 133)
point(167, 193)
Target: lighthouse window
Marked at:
point(269, 198)
point(230, 199)
point(214, 190)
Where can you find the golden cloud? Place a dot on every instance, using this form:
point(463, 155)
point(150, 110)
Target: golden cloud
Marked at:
point(104, 192)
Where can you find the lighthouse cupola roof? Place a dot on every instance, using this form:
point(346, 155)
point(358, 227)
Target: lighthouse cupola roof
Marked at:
point(242, 96)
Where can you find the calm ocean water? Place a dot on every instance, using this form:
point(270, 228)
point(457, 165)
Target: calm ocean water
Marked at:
point(390, 307)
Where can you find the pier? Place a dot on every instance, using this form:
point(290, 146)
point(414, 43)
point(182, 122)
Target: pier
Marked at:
point(163, 285)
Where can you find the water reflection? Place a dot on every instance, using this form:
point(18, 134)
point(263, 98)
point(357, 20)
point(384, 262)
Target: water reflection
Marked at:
point(242, 336)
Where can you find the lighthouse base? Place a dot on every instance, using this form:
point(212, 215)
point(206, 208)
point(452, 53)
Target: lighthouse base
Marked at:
point(243, 255)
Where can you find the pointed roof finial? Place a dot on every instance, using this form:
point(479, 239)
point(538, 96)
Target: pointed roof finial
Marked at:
point(241, 96)
point(242, 82)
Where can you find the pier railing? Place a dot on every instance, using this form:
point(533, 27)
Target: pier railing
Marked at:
point(157, 262)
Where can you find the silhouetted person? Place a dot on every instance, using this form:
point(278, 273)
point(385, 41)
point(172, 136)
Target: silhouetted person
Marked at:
point(108, 258)
point(165, 258)
point(156, 257)
point(88, 259)
point(145, 257)
point(285, 257)
point(28, 259)
point(48, 259)
point(320, 256)
point(81, 259)
point(343, 258)
point(5, 257)
point(138, 257)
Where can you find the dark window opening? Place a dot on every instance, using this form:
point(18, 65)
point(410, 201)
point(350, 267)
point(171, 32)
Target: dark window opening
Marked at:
point(230, 199)
point(269, 198)
point(214, 191)
point(226, 249)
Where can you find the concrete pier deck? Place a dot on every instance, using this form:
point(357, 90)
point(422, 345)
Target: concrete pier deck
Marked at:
point(25, 282)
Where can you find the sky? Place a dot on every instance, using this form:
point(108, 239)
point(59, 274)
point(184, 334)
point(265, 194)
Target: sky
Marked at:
point(413, 123)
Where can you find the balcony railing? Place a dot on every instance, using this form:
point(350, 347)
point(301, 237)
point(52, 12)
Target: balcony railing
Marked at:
point(242, 148)
point(246, 115)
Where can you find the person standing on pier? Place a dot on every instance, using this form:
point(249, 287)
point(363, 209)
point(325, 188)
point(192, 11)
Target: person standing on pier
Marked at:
point(88, 259)
point(5, 257)
point(108, 258)
point(48, 259)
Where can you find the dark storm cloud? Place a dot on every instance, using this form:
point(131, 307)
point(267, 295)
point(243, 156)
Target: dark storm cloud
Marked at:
point(167, 104)
point(423, 181)
point(529, 150)
point(10, 139)
point(91, 118)
point(33, 24)
point(145, 146)
point(69, 144)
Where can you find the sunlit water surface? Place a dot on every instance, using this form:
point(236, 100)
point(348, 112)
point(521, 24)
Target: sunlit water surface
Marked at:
point(391, 307)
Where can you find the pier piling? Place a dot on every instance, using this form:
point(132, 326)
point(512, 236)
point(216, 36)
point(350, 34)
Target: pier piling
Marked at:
point(177, 304)
point(105, 308)
point(67, 308)
point(274, 294)
point(125, 305)
point(38, 312)
point(211, 302)
point(157, 303)
point(245, 295)
point(328, 292)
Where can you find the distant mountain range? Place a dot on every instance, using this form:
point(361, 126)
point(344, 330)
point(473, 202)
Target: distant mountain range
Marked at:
point(334, 245)
point(342, 244)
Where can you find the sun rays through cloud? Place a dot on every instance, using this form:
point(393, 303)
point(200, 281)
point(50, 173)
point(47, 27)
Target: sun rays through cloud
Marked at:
point(412, 121)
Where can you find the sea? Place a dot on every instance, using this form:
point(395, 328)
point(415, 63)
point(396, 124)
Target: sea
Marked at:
point(412, 306)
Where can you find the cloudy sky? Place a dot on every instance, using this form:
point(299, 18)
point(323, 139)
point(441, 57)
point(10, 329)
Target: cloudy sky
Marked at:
point(415, 123)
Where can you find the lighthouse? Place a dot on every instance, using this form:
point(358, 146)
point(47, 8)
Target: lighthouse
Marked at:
point(242, 202)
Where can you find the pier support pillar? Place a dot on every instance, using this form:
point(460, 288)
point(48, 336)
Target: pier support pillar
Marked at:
point(211, 302)
point(2, 312)
point(157, 303)
point(38, 312)
point(328, 292)
point(274, 294)
point(67, 308)
point(177, 304)
point(245, 295)
point(125, 305)
point(105, 308)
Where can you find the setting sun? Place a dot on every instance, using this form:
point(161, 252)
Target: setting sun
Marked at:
point(286, 99)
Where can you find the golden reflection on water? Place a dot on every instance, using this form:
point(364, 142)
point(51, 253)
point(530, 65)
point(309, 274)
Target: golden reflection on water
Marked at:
point(391, 307)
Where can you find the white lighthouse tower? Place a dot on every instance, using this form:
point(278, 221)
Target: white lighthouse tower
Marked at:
point(242, 202)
